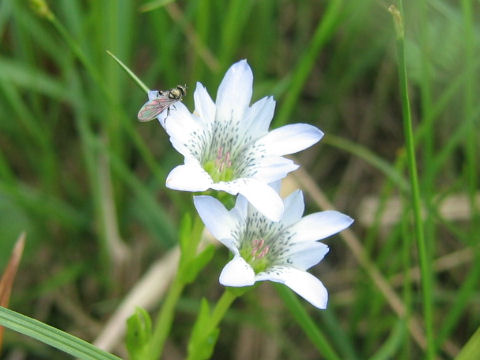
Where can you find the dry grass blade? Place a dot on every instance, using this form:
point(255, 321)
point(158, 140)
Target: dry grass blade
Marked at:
point(8, 276)
point(416, 330)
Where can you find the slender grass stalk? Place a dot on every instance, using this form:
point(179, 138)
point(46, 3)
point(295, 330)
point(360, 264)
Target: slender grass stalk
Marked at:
point(371, 158)
point(130, 72)
point(407, 280)
point(306, 323)
point(468, 106)
point(323, 32)
point(425, 263)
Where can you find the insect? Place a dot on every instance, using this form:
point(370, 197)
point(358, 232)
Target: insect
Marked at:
point(163, 100)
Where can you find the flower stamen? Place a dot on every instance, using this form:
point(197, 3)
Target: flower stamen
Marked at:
point(220, 169)
point(259, 250)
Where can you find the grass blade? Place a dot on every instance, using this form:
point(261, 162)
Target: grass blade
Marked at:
point(424, 257)
point(306, 323)
point(52, 336)
point(130, 73)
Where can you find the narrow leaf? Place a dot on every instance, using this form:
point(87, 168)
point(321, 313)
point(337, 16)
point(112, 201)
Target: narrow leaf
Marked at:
point(471, 349)
point(52, 336)
point(306, 322)
point(153, 5)
point(130, 72)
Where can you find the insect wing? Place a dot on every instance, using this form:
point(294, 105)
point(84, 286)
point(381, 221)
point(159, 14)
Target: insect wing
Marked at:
point(151, 109)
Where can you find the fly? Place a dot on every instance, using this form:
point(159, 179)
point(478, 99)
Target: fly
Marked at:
point(166, 98)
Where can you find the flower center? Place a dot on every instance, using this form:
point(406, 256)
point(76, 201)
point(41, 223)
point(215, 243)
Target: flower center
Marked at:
point(220, 168)
point(255, 253)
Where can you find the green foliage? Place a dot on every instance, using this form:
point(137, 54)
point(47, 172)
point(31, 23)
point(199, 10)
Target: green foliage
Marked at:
point(190, 269)
point(471, 350)
point(203, 337)
point(79, 173)
point(139, 334)
point(52, 336)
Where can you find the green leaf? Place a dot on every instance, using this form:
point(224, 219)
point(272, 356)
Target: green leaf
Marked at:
point(471, 350)
point(306, 323)
point(52, 336)
point(193, 267)
point(203, 339)
point(153, 5)
point(130, 73)
point(185, 235)
point(139, 334)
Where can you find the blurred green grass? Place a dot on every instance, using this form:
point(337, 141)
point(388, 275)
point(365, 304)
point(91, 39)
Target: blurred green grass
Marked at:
point(83, 177)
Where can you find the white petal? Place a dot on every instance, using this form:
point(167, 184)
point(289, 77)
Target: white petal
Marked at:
point(189, 177)
point(273, 168)
point(204, 104)
point(290, 139)
point(181, 147)
point(304, 284)
point(240, 211)
point(294, 208)
point(215, 216)
point(152, 94)
point(181, 123)
point(162, 117)
point(237, 273)
point(320, 225)
point(258, 117)
point(235, 92)
point(276, 185)
point(261, 196)
point(306, 254)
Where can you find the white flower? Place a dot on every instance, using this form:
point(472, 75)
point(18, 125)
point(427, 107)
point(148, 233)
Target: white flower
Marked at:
point(277, 251)
point(227, 146)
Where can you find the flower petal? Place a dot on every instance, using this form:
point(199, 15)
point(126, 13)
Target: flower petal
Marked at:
point(265, 199)
point(216, 218)
point(304, 284)
point(152, 94)
point(290, 139)
point(258, 117)
point(320, 225)
point(181, 123)
point(234, 93)
point(273, 168)
point(306, 254)
point(237, 273)
point(240, 210)
point(189, 177)
point(294, 208)
point(204, 105)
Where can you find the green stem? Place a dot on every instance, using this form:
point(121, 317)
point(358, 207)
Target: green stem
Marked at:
point(205, 339)
point(425, 263)
point(164, 319)
point(222, 306)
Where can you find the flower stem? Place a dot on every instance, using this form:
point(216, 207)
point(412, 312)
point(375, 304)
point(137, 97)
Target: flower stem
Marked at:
point(424, 258)
point(164, 318)
point(202, 342)
point(222, 306)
